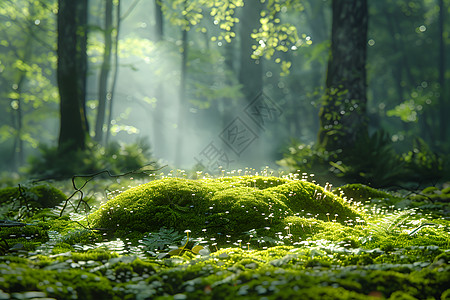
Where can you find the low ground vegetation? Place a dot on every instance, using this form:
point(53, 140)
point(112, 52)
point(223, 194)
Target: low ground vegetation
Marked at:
point(252, 237)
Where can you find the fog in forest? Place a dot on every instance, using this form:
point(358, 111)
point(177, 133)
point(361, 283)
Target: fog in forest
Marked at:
point(204, 92)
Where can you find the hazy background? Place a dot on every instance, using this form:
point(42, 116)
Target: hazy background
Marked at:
point(403, 60)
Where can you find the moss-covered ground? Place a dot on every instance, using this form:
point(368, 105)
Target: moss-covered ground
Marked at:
point(246, 237)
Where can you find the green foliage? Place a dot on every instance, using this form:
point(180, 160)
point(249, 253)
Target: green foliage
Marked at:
point(23, 238)
point(420, 100)
point(372, 161)
point(189, 13)
point(423, 164)
point(25, 200)
point(308, 158)
point(27, 67)
point(161, 239)
point(276, 35)
point(391, 222)
point(116, 158)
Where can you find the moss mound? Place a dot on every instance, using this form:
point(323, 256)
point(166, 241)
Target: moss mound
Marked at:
point(42, 195)
point(310, 199)
point(433, 194)
point(361, 192)
point(226, 205)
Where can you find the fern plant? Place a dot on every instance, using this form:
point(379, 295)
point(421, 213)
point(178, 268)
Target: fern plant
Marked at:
point(388, 225)
point(160, 240)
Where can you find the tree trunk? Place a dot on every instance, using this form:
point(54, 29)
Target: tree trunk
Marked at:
point(103, 95)
point(71, 73)
point(159, 140)
point(343, 116)
point(182, 105)
point(443, 94)
point(116, 73)
point(159, 21)
point(250, 73)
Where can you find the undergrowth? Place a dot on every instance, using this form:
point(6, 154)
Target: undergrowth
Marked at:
point(373, 161)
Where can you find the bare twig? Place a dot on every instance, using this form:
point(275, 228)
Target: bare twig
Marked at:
point(92, 176)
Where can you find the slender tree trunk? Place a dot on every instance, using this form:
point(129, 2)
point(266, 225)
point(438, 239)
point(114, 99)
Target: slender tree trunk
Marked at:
point(116, 72)
point(103, 95)
point(343, 113)
point(71, 73)
point(182, 106)
point(443, 111)
point(159, 140)
point(250, 73)
point(18, 141)
point(159, 21)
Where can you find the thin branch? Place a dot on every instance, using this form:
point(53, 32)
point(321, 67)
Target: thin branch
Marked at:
point(92, 176)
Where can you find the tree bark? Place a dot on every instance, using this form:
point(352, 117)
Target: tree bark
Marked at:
point(103, 94)
point(159, 138)
point(182, 106)
point(71, 73)
point(443, 112)
point(116, 73)
point(343, 116)
point(250, 73)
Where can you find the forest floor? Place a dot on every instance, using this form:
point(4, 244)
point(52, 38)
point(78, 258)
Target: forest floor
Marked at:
point(247, 237)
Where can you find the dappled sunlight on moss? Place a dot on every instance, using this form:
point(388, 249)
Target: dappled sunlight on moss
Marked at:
point(247, 237)
point(230, 205)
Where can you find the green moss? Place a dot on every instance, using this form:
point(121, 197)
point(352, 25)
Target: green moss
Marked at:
point(60, 284)
point(362, 193)
point(229, 205)
point(142, 267)
point(290, 239)
point(259, 182)
point(432, 194)
point(307, 198)
point(42, 195)
point(29, 237)
point(95, 255)
point(243, 208)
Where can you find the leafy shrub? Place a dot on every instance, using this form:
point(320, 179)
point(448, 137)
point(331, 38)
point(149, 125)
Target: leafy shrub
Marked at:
point(423, 163)
point(17, 202)
point(309, 158)
point(372, 161)
point(116, 157)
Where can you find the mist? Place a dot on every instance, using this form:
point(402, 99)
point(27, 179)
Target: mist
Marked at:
point(209, 96)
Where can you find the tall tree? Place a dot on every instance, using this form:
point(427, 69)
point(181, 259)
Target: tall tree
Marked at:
point(182, 105)
point(250, 73)
point(103, 94)
point(161, 105)
point(343, 113)
point(442, 97)
point(27, 52)
point(71, 73)
point(115, 75)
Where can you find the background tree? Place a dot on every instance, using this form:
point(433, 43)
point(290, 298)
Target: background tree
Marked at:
point(72, 68)
point(251, 69)
point(103, 90)
point(443, 102)
point(28, 96)
point(161, 105)
point(343, 118)
point(404, 95)
point(116, 73)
